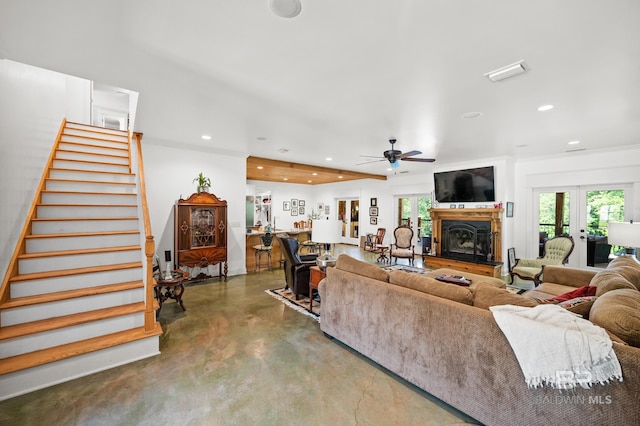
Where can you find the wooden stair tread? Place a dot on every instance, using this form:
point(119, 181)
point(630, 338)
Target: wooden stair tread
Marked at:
point(99, 154)
point(80, 234)
point(101, 182)
point(84, 205)
point(91, 162)
point(57, 353)
point(70, 294)
point(54, 219)
point(97, 129)
point(74, 271)
point(50, 191)
point(48, 324)
point(64, 169)
point(78, 251)
point(80, 144)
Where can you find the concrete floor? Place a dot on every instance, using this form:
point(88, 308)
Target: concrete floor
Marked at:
point(237, 357)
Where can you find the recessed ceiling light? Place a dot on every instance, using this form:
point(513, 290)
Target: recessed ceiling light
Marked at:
point(389, 169)
point(260, 167)
point(206, 137)
point(309, 181)
point(285, 178)
point(285, 8)
point(315, 174)
point(574, 142)
point(545, 107)
point(339, 177)
point(471, 115)
point(329, 159)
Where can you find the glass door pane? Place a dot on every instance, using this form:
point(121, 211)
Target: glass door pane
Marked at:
point(342, 215)
point(354, 222)
point(602, 206)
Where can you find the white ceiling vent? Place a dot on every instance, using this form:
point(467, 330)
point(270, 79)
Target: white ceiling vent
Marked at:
point(506, 72)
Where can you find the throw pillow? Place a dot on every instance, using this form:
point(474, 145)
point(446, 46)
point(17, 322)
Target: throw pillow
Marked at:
point(583, 291)
point(579, 305)
point(618, 311)
point(355, 266)
point(609, 280)
point(486, 295)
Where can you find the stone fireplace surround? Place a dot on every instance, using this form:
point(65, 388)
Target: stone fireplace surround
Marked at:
point(481, 256)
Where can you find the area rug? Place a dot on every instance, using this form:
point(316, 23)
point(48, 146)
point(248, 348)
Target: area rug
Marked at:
point(302, 305)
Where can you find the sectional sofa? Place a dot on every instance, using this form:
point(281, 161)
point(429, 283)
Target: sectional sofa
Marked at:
point(443, 338)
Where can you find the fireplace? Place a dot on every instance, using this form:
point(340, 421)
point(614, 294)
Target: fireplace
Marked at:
point(467, 240)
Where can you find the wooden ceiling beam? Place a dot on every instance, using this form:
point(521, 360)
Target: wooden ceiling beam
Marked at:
point(277, 170)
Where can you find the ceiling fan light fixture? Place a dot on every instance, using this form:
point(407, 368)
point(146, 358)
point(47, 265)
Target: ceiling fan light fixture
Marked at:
point(395, 164)
point(285, 8)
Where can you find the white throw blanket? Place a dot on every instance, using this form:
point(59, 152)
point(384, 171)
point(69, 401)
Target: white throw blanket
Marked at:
point(557, 347)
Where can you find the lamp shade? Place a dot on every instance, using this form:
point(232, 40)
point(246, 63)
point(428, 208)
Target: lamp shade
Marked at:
point(625, 234)
point(326, 231)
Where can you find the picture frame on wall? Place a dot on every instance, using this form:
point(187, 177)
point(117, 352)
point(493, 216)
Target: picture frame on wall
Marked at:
point(373, 211)
point(294, 211)
point(373, 220)
point(286, 206)
point(374, 202)
point(301, 203)
point(300, 210)
point(327, 209)
point(294, 203)
point(320, 207)
point(509, 209)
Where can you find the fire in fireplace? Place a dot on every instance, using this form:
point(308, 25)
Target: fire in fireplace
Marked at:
point(471, 241)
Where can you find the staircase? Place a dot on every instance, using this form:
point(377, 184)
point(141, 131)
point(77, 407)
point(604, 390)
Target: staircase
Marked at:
point(74, 300)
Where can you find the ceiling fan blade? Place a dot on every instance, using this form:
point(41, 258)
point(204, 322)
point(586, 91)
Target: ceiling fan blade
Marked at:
point(420, 160)
point(408, 154)
point(371, 156)
point(371, 162)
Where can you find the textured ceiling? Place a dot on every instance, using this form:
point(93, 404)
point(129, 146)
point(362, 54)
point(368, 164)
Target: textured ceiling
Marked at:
point(343, 77)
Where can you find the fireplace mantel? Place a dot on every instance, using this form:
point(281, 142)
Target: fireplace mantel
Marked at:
point(472, 214)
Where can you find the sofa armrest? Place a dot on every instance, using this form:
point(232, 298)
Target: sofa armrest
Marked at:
point(567, 276)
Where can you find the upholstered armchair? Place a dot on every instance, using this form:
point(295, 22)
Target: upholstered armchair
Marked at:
point(296, 267)
point(403, 246)
point(556, 252)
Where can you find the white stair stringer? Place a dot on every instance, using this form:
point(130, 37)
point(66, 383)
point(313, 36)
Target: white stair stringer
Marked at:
point(77, 303)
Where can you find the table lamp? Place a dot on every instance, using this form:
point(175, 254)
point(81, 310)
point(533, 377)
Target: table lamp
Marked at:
point(625, 234)
point(326, 232)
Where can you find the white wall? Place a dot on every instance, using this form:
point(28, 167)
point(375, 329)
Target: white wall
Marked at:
point(33, 102)
point(169, 174)
point(586, 168)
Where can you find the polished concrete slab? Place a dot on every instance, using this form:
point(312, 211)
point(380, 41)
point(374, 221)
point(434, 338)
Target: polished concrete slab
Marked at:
point(237, 357)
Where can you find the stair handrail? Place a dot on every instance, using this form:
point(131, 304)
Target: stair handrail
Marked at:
point(12, 269)
point(149, 245)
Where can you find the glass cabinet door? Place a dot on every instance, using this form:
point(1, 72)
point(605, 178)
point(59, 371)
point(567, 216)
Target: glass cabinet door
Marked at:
point(203, 229)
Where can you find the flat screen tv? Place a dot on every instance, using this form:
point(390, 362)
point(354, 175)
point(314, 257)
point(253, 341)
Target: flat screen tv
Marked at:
point(470, 185)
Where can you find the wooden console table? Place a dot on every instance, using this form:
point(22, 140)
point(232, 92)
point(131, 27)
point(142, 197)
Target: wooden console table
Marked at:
point(489, 270)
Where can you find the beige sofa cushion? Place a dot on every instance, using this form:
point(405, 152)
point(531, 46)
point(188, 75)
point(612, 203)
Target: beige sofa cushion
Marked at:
point(618, 311)
point(431, 286)
point(486, 295)
point(355, 266)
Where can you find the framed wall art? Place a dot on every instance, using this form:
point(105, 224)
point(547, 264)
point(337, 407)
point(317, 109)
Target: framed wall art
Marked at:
point(373, 220)
point(373, 211)
point(294, 203)
point(301, 203)
point(374, 202)
point(286, 206)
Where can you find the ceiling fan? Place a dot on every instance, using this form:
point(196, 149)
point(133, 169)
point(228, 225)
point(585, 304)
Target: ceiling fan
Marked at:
point(393, 155)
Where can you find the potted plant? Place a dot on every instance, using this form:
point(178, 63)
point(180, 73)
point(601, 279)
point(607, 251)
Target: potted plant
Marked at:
point(204, 183)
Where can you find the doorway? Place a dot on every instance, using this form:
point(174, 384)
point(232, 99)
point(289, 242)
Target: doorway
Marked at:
point(584, 213)
point(349, 213)
point(413, 211)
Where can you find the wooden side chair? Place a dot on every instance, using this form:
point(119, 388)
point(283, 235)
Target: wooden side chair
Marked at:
point(403, 246)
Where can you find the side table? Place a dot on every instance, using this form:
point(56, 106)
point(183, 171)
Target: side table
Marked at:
point(315, 276)
point(170, 289)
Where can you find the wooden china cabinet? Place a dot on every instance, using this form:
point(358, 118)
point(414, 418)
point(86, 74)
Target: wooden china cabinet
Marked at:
point(201, 232)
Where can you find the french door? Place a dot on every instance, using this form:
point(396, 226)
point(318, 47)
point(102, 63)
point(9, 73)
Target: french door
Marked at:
point(413, 211)
point(584, 213)
point(349, 213)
